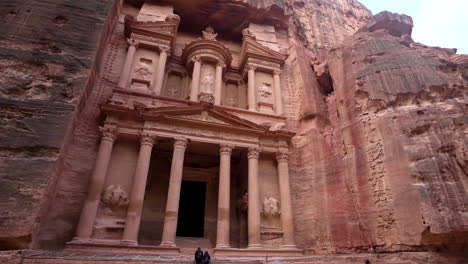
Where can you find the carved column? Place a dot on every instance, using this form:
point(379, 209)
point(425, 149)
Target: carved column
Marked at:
point(278, 98)
point(218, 83)
point(159, 76)
point(125, 74)
point(173, 195)
point(96, 184)
point(251, 93)
point(132, 222)
point(222, 233)
point(254, 200)
point(285, 197)
point(195, 89)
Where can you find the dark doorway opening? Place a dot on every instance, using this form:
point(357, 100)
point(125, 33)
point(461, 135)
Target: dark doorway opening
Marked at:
point(191, 220)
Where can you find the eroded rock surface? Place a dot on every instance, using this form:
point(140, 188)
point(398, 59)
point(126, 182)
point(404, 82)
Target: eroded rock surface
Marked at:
point(387, 166)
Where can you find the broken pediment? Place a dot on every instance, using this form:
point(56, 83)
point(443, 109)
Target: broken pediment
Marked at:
point(251, 49)
point(166, 29)
point(202, 113)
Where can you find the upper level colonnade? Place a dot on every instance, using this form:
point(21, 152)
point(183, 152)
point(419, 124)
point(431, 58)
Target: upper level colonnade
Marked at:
point(206, 61)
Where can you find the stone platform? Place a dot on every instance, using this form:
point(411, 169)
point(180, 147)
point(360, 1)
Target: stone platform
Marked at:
point(61, 257)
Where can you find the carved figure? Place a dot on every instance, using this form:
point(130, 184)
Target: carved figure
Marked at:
point(209, 34)
point(265, 90)
point(143, 70)
point(115, 197)
point(207, 83)
point(270, 207)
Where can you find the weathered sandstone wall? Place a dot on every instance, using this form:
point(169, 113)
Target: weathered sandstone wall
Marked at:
point(48, 62)
point(384, 155)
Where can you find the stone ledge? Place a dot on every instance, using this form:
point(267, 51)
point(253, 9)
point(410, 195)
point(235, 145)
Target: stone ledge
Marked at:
point(259, 252)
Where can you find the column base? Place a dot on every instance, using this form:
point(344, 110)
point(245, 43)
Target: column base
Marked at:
point(254, 246)
point(288, 247)
point(223, 246)
point(80, 240)
point(129, 242)
point(168, 244)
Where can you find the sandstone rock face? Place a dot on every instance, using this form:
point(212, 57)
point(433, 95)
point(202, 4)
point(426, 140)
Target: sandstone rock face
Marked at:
point(47, 50)
point(387, 167)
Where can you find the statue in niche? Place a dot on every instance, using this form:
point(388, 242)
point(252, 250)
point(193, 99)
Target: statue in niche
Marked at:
point(207, 83)
point(143, 70)
point(265, 90)
point(209, 34)
point(270, 207)
point(115, 197)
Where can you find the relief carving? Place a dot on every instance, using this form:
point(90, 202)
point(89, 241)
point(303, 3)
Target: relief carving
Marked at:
point(265, 90)
point(270, 207)
point(115, 197)
point(207, 83)
point(143, 70)
point(209, 34)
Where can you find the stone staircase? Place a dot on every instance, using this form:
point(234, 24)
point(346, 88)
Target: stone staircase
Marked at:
point(59, 257)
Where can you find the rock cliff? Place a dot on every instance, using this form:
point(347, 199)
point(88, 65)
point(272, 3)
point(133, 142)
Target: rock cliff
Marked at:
point(384, 154)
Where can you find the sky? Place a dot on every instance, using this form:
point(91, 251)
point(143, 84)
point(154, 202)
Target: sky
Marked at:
point(442, 23)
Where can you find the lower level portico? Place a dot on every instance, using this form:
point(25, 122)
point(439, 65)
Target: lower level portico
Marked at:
point(195, 171)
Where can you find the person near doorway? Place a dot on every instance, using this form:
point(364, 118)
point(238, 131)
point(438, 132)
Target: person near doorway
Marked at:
point(206, 258)
point(199, 256)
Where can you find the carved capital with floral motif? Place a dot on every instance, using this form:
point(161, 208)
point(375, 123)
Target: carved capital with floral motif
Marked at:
point(282, 156)
point(147, 138)
point(277, 72)
point(254, 153)
point(108, 133)
point(221, 64)
point(180, 143)
point(196, 58)
point(165, 49)
point(225, 149)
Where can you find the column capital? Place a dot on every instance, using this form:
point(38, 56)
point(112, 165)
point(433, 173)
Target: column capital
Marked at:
point(180, 143)
point(254, 153)
point(196, 58)
point(163, 48)
point(109, 133)
point(251, 67)
point(221, 64)
point(132, 42)
point(225, 149)
point(282, 156)
point(277, 72)
point(147, 138)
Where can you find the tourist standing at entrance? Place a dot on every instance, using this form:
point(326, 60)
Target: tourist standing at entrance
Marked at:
point(206, 258)
point(199, 256)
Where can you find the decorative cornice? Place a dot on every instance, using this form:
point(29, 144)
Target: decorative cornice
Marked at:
point(254, 153)
point(225, 149)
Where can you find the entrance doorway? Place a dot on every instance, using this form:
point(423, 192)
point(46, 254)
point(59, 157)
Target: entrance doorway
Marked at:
point(191, 220)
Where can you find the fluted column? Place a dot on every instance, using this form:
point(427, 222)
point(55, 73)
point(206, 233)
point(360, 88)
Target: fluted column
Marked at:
point(159, 76)
point(96, 184)
point(251, 93)
point(137, 196)
point(222, 233)
point(254, 200)
point(285, 199)
point(195, 88)
point(278, 98)
point(218, 83)
point(173, 195)
point(125, 74)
